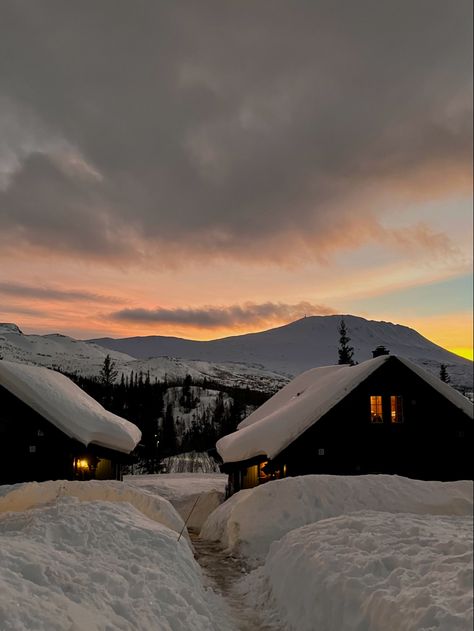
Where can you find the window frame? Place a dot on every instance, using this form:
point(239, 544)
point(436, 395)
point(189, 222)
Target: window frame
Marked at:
point(376, 409)
point(396, 405)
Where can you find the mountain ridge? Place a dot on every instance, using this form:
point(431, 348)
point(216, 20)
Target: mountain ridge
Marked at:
point(58, 351)
point(264, 359)
point(299, 345)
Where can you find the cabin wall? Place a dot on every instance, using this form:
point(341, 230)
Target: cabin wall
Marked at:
point(432, 442)
point(32, 449)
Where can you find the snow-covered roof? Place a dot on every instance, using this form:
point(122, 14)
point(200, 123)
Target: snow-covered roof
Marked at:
point(301, 403)
point(67, 407)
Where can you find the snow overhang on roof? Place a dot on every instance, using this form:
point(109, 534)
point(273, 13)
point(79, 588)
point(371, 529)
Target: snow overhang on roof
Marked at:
point(67, 407)
point(301, 403)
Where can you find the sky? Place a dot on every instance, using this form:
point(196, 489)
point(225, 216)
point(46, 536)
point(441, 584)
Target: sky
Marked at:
point(202, 169)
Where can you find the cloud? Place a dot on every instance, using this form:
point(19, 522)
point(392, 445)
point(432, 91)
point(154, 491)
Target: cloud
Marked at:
point(224, 316)
point(51, 293)
point(177, 130)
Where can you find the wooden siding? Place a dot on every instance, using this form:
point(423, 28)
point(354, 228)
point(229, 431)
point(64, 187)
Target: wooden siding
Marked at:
point(433, 441)
point(32, 449)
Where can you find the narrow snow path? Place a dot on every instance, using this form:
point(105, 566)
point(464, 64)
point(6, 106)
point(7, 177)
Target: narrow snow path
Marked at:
point(223, 571)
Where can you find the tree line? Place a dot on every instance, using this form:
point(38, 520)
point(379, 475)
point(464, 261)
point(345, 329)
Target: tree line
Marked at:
point(143, 401)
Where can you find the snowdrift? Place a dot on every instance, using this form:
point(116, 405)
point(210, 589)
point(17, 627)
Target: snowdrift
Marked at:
point(21, 497)
point(252, 519)
point(370, 571)
point(97, 566)
point(183, 489)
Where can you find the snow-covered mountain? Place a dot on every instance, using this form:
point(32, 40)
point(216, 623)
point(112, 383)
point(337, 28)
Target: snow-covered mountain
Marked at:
point(55, 350)
point(86, 358)
point(262, 361)
point(303, 344)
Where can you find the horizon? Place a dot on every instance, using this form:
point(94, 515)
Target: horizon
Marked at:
point(26, 331)
point(227, 172)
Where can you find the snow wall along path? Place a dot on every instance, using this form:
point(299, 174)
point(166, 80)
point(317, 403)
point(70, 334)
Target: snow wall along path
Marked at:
point(252, 519)
point(21, 497)
point(370, 571)
point(97, 556)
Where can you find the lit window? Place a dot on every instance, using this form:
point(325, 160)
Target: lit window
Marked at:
point(376, 415)
point(396, 409)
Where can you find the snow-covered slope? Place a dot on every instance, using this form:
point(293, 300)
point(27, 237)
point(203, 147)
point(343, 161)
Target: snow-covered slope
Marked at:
point(55, 350)
point(86, 358)
point(303, 344)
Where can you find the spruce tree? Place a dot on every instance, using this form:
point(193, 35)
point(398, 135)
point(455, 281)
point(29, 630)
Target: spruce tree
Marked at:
point(345, 351)
point(108, 373)
point(107, 376)
point(443, 374)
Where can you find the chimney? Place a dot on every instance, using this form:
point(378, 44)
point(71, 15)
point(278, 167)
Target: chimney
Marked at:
point(380, 350)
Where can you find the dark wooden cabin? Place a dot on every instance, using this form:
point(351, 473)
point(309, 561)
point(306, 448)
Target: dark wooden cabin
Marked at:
point(397, 420)
point(33, 448)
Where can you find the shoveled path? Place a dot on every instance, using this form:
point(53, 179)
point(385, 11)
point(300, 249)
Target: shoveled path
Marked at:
point(223, 571)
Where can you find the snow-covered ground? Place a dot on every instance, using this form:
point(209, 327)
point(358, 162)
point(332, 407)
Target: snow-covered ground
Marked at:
point(332, 553)
point(365, 553)
point(81, 557)
point(251, 520)
point(196, 492)
point(370, 571)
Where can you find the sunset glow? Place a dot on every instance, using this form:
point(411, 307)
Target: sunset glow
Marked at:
point(225, 181)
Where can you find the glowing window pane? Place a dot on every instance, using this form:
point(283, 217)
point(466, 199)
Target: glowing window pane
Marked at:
point(376, 414)
point(396, 409)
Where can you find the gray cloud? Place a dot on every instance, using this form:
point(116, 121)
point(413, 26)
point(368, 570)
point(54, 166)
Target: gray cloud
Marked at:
point(232, 315)
point(150, 127)
point(51, 293)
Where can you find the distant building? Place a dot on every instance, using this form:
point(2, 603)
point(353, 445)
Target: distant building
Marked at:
point(385, 415)
point(51, 429)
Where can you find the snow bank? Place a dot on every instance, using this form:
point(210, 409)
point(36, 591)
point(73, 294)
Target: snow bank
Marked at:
point(252, 519)
point(67, 407)
point(371, 572)
point(183, 489)
point(98, 566)
point(21, 497)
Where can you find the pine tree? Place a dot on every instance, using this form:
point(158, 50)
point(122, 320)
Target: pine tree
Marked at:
point(108, 373)
point(443, 374)
point(107, 376)
point(345, 351)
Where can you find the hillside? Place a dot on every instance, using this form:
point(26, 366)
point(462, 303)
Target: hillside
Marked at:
point(86, 359)
point(301, 345)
